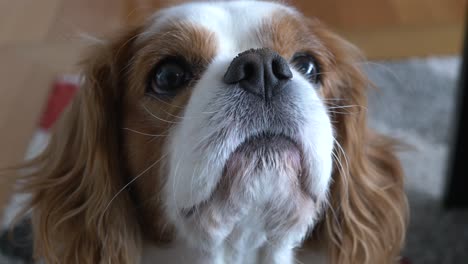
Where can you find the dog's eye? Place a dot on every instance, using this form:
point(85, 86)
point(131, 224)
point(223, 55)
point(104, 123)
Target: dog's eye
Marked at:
point(306, 65)
point(169, 77)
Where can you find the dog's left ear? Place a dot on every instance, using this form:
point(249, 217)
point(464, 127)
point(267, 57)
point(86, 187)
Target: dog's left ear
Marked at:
point(81, 212)
point(366, 219)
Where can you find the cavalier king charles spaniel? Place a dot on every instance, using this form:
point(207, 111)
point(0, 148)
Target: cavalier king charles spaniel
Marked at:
point(220, 132)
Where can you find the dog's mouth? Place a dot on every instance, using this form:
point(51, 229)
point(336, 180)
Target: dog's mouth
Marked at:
point(264, 151)
point(263, 168)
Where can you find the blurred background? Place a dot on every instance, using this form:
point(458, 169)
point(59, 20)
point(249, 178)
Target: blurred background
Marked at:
point(414, 49)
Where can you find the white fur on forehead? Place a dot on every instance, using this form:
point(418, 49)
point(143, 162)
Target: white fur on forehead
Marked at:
point(232, 22)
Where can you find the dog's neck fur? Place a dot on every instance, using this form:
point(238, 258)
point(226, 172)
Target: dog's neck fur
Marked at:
point(180, 254)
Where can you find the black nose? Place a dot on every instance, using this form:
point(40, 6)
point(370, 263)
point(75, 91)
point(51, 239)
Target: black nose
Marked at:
point(262, 72)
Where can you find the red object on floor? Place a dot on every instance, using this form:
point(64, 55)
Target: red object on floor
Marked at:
point(60, 96)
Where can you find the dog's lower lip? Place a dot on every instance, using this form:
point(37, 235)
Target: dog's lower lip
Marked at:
point(265, 147)
point(270, 139)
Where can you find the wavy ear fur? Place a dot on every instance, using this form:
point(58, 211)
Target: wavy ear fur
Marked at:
point(75, 179)
point(78, 219)
point(367, 215)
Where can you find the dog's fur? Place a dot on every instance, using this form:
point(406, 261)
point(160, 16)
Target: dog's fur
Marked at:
point(211, 175)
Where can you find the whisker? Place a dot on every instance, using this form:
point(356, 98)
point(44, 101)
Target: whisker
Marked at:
point(342, 113)
point(174, 190)
point(348, 106)
point(133, 180)
point(333, 99)
point(329, 205)
point(158, 118)
point(162, 101)
point(180, 107)
point(142, 133)
point(298, 261)
point(386, 68)
point(191, 189)
point(343, 152)
point(345, 108)
point(345, 173)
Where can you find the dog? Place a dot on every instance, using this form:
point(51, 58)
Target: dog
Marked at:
point(219, 132)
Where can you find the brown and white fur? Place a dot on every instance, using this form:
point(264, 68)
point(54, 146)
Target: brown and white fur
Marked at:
point(214, 174)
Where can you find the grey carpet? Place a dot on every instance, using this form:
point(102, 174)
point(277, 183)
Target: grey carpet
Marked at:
point(415, 103)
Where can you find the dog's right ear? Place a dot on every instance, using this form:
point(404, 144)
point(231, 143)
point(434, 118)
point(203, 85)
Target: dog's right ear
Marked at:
point(78, 213)
point(366, 219)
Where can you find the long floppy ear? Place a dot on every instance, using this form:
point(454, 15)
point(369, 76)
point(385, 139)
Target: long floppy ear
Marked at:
point(77, 216)
point(367, 214)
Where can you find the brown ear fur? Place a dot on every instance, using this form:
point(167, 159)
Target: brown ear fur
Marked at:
point(75, 179)
point(367, 214)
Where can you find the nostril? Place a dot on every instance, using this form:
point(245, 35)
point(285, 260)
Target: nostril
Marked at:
point(242, 68)
point(248, 70)
point(281, 69)
point(235, 73)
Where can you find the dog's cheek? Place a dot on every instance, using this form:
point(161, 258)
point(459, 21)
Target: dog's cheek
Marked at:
point(142, 143)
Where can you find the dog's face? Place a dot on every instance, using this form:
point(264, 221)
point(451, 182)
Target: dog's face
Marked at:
point(211, 118)
point(241, 104)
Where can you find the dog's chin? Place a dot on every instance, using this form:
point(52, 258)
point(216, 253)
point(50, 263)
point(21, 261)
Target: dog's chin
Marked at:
point(266, 152)
point(274, 161)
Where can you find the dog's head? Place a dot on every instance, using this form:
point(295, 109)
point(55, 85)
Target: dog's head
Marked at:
point(236, 105)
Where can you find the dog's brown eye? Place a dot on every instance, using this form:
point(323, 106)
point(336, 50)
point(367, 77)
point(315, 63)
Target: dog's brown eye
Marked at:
point(306, 65)
point(169, 77)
